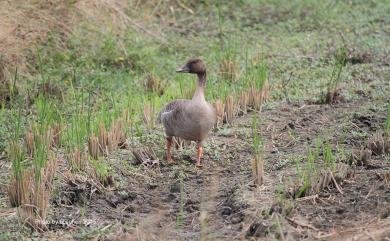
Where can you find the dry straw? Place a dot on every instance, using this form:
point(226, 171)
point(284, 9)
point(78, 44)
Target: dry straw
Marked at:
point(77, 159)
point(29, 141)
point(31, 193)
point(154, 84)
point(229, 110)
point(149, 115)
point(243, 103)
point(56, 130)
point(228, 71)
point(93, 146)
point(220, 110)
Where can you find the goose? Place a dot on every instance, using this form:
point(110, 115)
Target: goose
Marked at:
point(189, 119)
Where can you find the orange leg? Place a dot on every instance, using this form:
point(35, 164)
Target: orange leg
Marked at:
point(169, 147)
point(200, 153)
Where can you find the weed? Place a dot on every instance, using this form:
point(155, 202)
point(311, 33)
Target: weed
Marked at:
point(229, 109)
point(16, 189)
point(93, 146)
point(154, 85)
point(228, 70)
point(103, 172)
point(31, 186)
point(329, 158)
point(149, 115)
point(243, 102)
point(220, 111)
point(319, 173)
point(307, 174)
point(258, 161)
point(379, 143)
point(333, 92)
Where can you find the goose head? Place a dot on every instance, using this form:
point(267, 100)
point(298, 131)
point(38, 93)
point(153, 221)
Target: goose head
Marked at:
point(193, 66)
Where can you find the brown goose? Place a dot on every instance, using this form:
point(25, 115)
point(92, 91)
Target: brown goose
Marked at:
point(189, 119)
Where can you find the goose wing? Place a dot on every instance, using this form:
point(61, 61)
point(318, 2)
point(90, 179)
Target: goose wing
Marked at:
point(172, 110)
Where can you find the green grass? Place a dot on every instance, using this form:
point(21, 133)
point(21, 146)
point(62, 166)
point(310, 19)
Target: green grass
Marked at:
point(257, 142)
point(321, 158)
point(112, 68)
point(306, 173)
point(101, 73)
point(339, 63)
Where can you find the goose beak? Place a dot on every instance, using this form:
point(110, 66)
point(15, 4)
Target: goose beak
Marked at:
point(183, 69)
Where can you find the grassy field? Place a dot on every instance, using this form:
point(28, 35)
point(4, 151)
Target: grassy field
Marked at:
point(301, 150)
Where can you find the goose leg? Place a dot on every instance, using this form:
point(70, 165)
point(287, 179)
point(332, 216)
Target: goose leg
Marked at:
point(200, 152)
point(169, 147)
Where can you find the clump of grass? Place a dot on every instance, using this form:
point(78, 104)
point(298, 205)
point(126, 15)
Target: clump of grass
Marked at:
point(257, 99)
point(77, 159)
point(33, 208)
point(33, 173)
point(227, 58)
point(229, 110)
point(243, 102)
point(329, 157)
point(29, 141)
point(360, 158)
point(103, 138)
point(74, 137)
point(102, 172)
point(116, 134)
point(16, 189)
point(265, 91)
point(149, 115)
point(56, 130)
point(220, 110)
point(379, 143)
point(103, 144)
point(258, 152)
point(153, 84)
point(333, 87)
point(318, 174)
point(257, 82)
point(93, 146)
point(305, 176)
point(228, 70)
point(107, 141)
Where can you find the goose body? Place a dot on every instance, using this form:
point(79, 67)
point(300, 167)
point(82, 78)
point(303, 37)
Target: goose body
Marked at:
point(189, 119)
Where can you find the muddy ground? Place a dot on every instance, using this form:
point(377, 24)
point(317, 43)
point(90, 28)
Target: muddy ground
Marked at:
point(220, 202)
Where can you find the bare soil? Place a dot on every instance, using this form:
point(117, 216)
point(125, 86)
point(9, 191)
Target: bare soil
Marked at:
point(219, 202)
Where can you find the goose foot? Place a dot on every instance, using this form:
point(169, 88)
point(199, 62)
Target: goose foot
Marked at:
point(169, 154)
point(198, 164)
point(200, 153)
